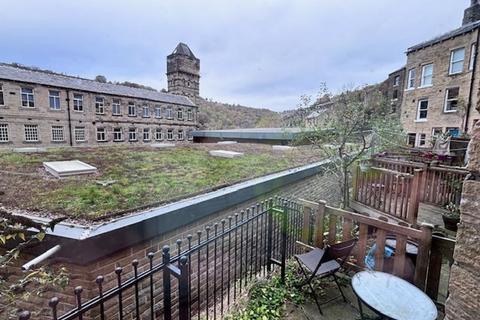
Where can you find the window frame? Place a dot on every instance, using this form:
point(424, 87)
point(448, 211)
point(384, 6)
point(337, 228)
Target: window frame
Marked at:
point(132, 106)
point(55, 129)
point(4, 134)
point(424, 76)
point(422, 140)
point(117, 130)
point(436, 129)
point(28, 96)
point(452, 62)
point(449, 100)
point(409, 136)
point(396, 81)
point(412, 74)
point(169, 113)
point(189, 114)
point(99, 105)
point(450, 129)
point(2, 97)
point(78, 129)
point(170, 134)
point(180, 135)
point(145, 111)
point(116, 107)
point(158, 112)
point(78, 102)
point(133, 131)
point(26, 135)
point(180, 114)
point(418, 118)
point(157, 132)
point(101, 131)
point(147, 132)
point(56, 100)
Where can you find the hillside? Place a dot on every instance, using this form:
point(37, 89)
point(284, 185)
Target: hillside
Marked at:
point(216, 115)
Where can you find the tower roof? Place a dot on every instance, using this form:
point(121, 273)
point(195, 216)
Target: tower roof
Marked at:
point(184, 50)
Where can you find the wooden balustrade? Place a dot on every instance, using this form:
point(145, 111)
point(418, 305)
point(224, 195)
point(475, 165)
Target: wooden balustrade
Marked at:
point(343, 225)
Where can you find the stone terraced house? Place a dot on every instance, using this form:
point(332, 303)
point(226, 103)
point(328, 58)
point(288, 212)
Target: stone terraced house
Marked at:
point(441, 90)
point(39, 108)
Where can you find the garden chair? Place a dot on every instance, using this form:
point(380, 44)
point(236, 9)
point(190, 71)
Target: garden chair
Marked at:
point(324, 263)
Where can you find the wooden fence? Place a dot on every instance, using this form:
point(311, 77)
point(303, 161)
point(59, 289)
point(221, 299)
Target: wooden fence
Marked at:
point(396, 188)
point(331, 225)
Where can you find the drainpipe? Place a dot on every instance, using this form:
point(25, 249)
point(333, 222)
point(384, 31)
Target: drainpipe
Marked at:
point(472, 82)
point(32, 263)
point(69, 118)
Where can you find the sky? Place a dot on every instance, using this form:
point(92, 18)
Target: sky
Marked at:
point(259, 53)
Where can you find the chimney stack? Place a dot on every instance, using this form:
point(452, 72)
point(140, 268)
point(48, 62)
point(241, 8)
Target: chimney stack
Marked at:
point(472, 13)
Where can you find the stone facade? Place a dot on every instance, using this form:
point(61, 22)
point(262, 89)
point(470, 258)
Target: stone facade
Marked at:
point(463, 302)
point(441, 85)
point(392, 89)
point(183, 72)
point(109, 113)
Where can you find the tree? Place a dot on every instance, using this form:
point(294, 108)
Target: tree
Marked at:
point(357, 123)
point(18, 233)
point(101, 79)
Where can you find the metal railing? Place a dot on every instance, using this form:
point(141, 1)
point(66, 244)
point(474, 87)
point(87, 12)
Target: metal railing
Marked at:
point(202, 276)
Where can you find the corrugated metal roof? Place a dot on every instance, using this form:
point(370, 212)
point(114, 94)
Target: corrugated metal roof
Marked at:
point(8, 72)
point(454, 33)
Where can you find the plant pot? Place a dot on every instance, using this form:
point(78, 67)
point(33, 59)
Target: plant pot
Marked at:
point(450, 223)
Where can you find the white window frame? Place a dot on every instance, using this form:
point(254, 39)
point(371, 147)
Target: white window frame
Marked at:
point(422, 139)
point(412, 74)
point(180, 135)
point(117, 131)
point(80, 134)
point(131, 106)
point(396, 81)
point(101, 134)
point(4, 137)
point(452, 61)
point(423, 81)
point(448, 100)
point(29, 97)
point(31, 132)
point(132, 134)
point(99, 105)
point(180, 114)
point(158, 112)
point(434, 129)
point(418, 119)
point(2, 97)
point(158, 134)
point(169, 113)
point(170, 134)
point(55, 99)
point(473, 50)
point(58, 134)
point(146, 134)
point(146, 111)
point(189, 115)
point(78, 102)
point(116, 107)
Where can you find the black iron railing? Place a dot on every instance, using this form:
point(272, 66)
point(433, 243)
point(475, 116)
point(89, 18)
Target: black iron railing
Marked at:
point(203, 275)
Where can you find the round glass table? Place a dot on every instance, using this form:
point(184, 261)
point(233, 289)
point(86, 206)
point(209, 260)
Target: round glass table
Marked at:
point(392, 297)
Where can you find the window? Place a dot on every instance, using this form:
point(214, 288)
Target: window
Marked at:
point(146, 112)
point(473, 51)
point(422, 110)
point(180, 135)
point(189, 134)
point(146, 134)
point(436, 132)
point(2, 101)
point(158, 134)
point(169, 113)
point(31, 132)
point(77, 102)
point(158, 112)
point(180, 114)
point(27, 98)
point(396, 81)
point(451, 100)
point(411, 79)
point(116, 108)
point(57, 133)
point(131, 109)
point(189, 115)
point(170, 134)
point(54, 99)
point(395, 94)
point(422, 138)
point(456, 61)
point(117, 134)
point(101, 134)
point(411, 139)
point(79, 133)
point(453, 131)
point(99, 105)
point(427, 75)
point(132, 134)
point(3, 132)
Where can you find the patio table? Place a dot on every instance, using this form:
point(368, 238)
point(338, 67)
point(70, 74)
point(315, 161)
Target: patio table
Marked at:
point(392, 297)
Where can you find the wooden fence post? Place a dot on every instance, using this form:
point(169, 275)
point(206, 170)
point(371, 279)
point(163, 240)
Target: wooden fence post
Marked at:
point(423, 256)
point(319, 219)
point(414, 196)
point(355, 169)
point(306, 224)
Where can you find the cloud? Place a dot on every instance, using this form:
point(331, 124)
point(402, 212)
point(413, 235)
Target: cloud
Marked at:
point(262, 53)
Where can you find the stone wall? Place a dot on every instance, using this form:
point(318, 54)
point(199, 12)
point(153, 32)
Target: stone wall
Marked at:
point(315, 188)
point(463, 302)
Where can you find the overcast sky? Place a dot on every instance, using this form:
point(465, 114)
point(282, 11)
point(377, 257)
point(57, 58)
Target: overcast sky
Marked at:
point(261, 53)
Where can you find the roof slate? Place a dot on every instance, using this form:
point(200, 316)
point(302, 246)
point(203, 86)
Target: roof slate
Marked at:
point(8, 72)
point(454, 33)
